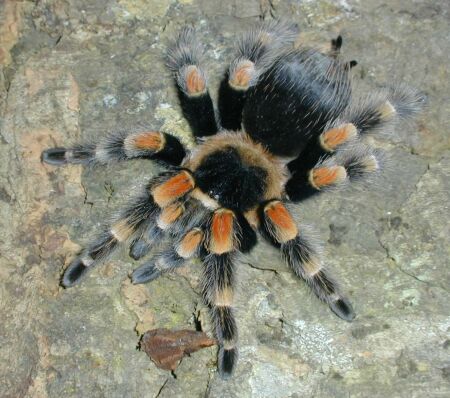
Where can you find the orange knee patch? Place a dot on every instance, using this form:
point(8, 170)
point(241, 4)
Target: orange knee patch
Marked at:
point(190, 243)
point(325, 176)
point(224, 297)
point(121, 230)
point(312, 266)
point(172, 189)
point(152, 140)
point(331, 139)
point(195, 81)
point(387, 111)
point(169, 215)
point(370, 164)
point(242, 75)
point(284, 227)
point(222, 236)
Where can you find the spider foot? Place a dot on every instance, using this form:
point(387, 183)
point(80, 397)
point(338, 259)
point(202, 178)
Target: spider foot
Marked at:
point(76, 270)
point(227, 359)
point(139, 248)
point(145, 273)
point(343, 309)
point(54, 156)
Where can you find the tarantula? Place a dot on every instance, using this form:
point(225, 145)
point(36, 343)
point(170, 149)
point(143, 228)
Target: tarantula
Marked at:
point(290, 126)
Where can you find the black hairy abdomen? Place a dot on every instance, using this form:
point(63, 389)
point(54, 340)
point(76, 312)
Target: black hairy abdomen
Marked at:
point(294, 100)
point(225, 177)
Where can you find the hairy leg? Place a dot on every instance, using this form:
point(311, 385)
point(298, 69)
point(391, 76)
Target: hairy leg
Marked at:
point(256, 50)
point(159, 197)
point(183, 59)
point(118, 147)
point(279, 228)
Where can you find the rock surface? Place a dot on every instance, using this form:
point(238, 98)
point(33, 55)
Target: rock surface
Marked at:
point(72, 69)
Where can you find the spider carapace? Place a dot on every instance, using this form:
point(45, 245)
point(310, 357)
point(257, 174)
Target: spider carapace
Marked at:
point(290, 125)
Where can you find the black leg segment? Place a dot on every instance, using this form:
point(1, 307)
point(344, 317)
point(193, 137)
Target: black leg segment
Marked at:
point(183, 59)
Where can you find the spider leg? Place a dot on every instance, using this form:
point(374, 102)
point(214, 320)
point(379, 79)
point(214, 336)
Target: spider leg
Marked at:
point(309, 163)
point(216, 240)
point(216, 237)
point(218, 284)
point(256, 50)
point(355, 163)
point(378, 111)
point(333, 138)
point(144, 242)
point(187, 228)
point(158, 199)
point(187, 247)
point(337, 155)
point(218, 280)
point(279, 228)
point(155, 232)
point(125, 226)
point(120, 146)
point(176, 220)
point(183, 59)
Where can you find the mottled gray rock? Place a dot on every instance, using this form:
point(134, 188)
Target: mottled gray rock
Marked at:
point(72, 69)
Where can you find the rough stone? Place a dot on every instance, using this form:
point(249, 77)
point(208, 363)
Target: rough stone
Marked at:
point(77, 69)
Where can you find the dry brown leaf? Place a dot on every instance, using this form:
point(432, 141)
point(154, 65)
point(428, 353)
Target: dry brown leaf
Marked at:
point(166, 347)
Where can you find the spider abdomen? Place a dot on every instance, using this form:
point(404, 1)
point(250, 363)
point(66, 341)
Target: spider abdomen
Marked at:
point(294, 100)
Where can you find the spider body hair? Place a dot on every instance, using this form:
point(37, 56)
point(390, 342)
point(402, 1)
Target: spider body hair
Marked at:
point(236, 172)
point(120, 146)
point(291, 125)
point(184, 61)
point(317, 89)
point(256, 51)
